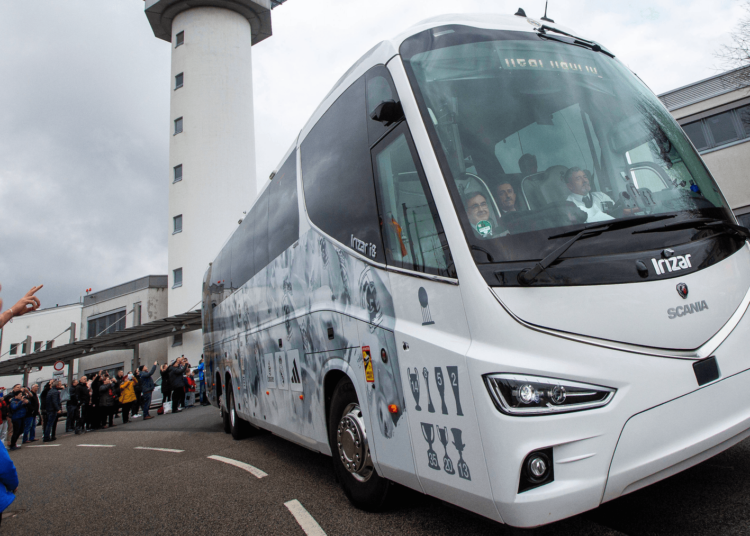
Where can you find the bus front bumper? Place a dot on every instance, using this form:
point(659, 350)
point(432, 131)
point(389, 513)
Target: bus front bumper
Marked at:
point(681, 433)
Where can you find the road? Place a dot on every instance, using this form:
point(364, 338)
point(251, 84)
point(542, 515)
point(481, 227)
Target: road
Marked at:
point(119, 487)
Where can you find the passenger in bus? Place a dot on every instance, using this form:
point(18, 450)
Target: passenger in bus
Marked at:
point(592, 203)
point(479, 214)
point(506, 197)
point(527, 164)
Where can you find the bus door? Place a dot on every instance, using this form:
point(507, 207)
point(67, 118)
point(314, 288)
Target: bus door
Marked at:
point(431, 331)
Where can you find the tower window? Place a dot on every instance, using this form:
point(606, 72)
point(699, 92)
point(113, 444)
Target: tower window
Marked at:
point(177, 278)
point(177, 340)
point(178, 80)
point(177, 173)
point(178, 125)
point(179, 39)
point(14, 349)
point(177, 224)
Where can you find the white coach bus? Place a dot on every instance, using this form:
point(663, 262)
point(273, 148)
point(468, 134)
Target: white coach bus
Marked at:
point(492, 268)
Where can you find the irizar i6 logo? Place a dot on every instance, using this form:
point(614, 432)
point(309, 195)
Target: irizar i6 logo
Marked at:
point(672, 264)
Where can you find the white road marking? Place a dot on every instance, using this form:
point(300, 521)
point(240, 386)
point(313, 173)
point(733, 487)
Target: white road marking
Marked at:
point(305, 520)
point(160, 450)
point(246, 466)
point(38, 446)
point(108, 446)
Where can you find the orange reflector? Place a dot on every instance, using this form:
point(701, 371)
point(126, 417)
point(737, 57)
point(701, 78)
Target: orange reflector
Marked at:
point(268, 393)
point(238, 388)
point(393, 408)
point(301, 397)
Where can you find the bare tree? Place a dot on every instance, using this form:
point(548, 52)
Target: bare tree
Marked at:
point(737, 54)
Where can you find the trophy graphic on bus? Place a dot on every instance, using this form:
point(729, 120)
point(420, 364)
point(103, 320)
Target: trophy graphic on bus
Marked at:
point(441, 389)
point(428, 432)
point(426, 375)
point(414, 384)
point(453, 379)
point(463, 467)
point(447, 462)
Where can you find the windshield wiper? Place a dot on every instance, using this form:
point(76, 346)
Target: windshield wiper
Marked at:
point(527, 276)
point(577, 41)
point(619, 224)
point(697, 223)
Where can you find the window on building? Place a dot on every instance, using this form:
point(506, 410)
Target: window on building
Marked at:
point(720, 129)
point(696, 134)
point(14, 349)
point(37, 346)
point(177, 173)
point(177, 278)
point(179, 39)
point(178, 80)
point(177, 223)
point(178, 125)
point(137, 314)
point(106, 323)
point(177, 340)
point(49, 345)
point(337, 175)
point(23, 349)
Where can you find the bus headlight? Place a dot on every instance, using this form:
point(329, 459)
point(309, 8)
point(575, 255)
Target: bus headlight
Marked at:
point(516, 394)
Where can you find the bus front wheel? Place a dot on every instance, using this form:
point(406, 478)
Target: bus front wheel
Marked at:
point(238, 427)
point(351, 453)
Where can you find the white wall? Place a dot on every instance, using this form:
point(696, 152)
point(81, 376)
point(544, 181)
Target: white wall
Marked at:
point(216, 148)
point(153, 307)
point(42, 325)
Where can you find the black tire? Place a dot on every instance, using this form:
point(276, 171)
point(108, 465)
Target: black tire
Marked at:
point(369, 495)
point(225, 419)
point(238, 427)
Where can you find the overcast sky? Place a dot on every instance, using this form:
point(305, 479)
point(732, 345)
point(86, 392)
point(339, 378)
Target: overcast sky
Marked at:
point(84, 123)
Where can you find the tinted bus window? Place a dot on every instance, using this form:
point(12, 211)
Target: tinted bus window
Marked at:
point(283, 214)
point(243, 264)
point(259, 222)
point(337, 175)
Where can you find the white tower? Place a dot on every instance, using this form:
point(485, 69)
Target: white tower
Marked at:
point(212, 139)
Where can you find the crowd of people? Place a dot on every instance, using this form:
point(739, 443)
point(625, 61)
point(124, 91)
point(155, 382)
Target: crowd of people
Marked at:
point(94, 403)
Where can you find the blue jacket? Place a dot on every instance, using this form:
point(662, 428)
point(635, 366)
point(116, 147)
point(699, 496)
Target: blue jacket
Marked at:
point(199, 369)
point(147, 383)
point(17, 409)
point(53, 401)
point(8, 479)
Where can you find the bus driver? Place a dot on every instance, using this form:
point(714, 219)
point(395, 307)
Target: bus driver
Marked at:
point(577, 181)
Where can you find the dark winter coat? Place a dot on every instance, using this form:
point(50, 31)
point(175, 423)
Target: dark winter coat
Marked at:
point(176, 379)
point(147, 382)
point(82, 394)
point(166, 386)
point(33, 407)
point(43, 397)
point(106, 395)
point(52, 404)
point(95, 385)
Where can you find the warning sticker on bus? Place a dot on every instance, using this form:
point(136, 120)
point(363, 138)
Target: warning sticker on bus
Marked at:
point(367, 358)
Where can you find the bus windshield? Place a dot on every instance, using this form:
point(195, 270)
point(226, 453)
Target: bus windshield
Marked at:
point(536, 134)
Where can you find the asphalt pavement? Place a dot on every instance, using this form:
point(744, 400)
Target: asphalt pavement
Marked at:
point(204, 482)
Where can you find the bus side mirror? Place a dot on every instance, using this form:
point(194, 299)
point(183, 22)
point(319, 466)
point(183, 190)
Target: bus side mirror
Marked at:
point(387, 112)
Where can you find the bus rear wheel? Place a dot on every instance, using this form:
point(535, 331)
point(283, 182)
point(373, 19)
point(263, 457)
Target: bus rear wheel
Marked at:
point(351, 453)
point(238, 427)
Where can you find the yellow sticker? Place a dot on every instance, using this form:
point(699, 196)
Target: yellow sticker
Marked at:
point(367, 358)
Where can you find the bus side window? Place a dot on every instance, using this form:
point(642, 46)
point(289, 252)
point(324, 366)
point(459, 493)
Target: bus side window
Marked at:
point(243, 265)
point(259, 222)
point(412, 232)
point(283, 214)
point(337, 175)
point(380, 88)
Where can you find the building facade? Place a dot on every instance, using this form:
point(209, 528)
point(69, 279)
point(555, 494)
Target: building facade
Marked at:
point(715, 114)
